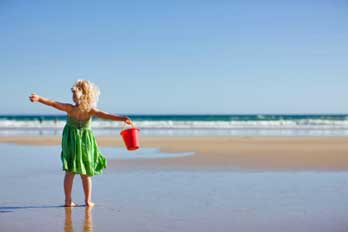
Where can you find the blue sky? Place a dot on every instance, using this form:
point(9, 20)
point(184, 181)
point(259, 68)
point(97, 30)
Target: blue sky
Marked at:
point(177, 57)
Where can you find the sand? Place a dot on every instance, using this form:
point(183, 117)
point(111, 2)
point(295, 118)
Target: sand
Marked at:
point(156, 195)
point(252, 153)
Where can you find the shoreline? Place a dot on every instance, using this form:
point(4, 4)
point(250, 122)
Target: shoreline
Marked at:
point(224, 152)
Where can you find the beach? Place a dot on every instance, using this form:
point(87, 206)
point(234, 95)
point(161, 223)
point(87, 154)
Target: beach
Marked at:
point(240, 108)
point(181, 183)
point(249, 153)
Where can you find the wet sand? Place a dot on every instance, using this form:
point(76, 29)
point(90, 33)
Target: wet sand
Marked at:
point(251, 153)
point(162, 197)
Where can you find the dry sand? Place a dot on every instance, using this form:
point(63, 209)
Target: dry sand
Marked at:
point(260, 153)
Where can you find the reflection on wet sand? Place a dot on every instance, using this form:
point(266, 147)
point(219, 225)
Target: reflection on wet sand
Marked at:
point(87, 225)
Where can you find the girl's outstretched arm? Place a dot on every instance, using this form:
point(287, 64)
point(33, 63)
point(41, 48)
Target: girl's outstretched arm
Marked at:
point(60, 106)
point(114, 117)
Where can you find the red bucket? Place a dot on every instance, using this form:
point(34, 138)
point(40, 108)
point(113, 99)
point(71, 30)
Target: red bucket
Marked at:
point(131, 138)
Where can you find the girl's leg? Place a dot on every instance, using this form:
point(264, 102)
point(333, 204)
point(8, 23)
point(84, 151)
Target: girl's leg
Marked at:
point(87, 189)
point(68, 182)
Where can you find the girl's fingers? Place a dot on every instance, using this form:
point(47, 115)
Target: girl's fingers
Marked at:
point(129, 122)
point(32, 98)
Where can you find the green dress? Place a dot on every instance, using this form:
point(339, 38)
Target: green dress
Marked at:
point(80, 152)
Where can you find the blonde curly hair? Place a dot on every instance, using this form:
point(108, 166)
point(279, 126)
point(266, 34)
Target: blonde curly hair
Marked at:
point(87, 94)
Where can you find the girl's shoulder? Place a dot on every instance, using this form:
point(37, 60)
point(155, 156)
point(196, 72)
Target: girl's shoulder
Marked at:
point(93, 111)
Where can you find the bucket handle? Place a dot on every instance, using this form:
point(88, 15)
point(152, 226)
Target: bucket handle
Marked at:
point(125, 125)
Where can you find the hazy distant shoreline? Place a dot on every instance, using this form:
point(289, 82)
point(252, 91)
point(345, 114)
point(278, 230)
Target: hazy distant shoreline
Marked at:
point(190, 125)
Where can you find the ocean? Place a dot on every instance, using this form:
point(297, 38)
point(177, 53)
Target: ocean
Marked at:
point(190, 125)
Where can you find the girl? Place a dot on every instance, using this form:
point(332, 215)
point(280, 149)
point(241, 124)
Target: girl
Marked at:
point(80, 153)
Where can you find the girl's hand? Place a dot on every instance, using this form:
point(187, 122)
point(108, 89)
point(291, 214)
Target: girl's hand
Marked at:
point(128, 121)
point(34, 97)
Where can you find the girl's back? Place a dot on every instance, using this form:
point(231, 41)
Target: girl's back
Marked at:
point(78, 114)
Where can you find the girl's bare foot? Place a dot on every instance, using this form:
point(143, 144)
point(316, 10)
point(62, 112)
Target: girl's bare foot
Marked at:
point(89, 204)
point(70, 204)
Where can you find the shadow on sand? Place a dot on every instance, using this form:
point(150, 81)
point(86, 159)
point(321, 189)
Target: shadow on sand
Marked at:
point(9, 209)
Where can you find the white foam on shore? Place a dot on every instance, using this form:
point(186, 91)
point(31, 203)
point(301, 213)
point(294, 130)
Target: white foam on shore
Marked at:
point(171, 124)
